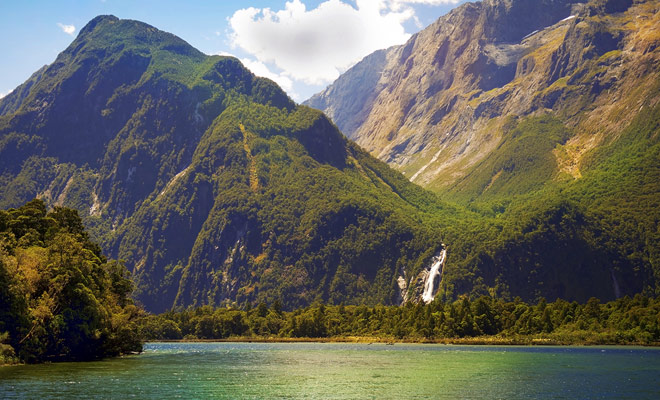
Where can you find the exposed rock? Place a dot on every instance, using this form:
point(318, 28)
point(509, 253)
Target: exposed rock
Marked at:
point(433, 111)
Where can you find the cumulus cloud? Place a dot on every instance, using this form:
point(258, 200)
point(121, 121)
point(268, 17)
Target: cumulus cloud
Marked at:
point(260, 69)
point(315, 46)
point(68, 29)
point(428, 2)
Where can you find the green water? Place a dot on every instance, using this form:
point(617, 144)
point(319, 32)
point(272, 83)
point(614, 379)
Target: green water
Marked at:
point(346, 371)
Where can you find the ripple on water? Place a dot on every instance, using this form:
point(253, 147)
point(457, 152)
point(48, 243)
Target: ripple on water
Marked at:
point(345, 371)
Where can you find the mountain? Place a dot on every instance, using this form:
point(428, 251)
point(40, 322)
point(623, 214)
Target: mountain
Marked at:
point(215, 188)
point(211, 184)
point(447, 100)
point(541, 115)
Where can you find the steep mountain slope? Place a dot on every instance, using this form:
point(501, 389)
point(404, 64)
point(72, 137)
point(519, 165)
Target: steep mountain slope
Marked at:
point(217, 189)
point(540, 114)
point(211, 183)
point(442, 103)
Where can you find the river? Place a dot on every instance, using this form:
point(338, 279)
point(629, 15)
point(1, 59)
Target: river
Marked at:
point(346, 371)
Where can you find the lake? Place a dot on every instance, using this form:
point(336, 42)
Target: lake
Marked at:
point(346, 371)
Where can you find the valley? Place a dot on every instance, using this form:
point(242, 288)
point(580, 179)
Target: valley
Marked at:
point(534, 140)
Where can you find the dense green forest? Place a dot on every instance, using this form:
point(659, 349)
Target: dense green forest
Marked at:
point(60, 298)
point(623, 321)
point(211, 184)
point(217, 189)
point(560, 238)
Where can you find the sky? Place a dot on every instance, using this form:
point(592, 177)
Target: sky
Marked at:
point(303, 45)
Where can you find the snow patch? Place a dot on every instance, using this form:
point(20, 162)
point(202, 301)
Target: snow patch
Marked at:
point(570, 17)
point(530, 34)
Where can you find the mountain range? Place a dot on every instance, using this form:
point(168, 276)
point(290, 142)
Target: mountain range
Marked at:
point(216, 188)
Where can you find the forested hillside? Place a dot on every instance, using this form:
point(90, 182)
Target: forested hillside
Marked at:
point(483, 320)
point(217, 189)
point(542, 117)
point(211, 184)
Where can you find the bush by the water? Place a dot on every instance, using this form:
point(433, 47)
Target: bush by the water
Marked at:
point(60, 298)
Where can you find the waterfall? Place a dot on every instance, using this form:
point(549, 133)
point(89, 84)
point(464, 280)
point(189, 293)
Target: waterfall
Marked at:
point(434, 272)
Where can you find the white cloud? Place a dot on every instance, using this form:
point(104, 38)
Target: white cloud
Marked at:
point(3, 95)
point(68, 29)
point(260, 69)
point(315, 46)
point(402, 3)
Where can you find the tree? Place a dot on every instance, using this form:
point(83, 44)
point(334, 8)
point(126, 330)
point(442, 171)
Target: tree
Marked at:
point(60, 299)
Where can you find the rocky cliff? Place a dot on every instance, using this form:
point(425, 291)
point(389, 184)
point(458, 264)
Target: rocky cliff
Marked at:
point(440, 104)
point(542, 115)
point(215, 188)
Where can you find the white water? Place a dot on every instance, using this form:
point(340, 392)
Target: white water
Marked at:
point(436, 269)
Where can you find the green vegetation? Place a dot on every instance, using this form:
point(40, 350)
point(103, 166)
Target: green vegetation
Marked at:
point(624, 321)
point(296, 213)
point(218, 190)
point(205, 212)
point(538, 234)
point(566, 204)
point(522, 162)
point(60, 298)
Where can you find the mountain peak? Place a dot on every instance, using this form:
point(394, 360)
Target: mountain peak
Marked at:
point(107, 34)
point(190, 167)
point(91, 25)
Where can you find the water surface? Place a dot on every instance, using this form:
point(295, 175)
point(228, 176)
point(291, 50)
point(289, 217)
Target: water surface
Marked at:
point(346, 371)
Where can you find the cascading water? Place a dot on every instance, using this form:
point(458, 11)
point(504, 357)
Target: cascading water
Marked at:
point(434, 272)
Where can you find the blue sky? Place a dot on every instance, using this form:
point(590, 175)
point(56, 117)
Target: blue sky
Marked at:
point(301, 44)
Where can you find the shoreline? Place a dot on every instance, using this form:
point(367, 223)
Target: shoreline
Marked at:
point(475, 341)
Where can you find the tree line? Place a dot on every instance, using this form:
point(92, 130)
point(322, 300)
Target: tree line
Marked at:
point(623, 321)
point(62, 299)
